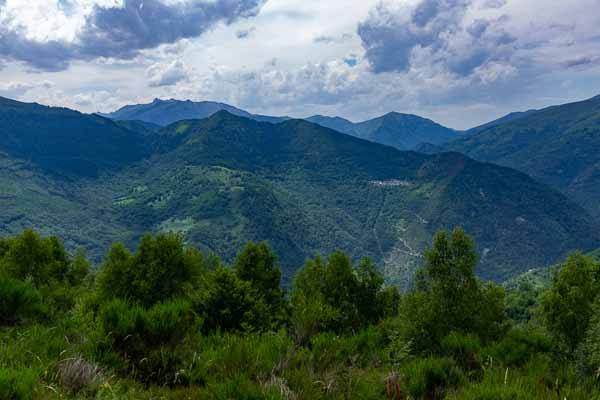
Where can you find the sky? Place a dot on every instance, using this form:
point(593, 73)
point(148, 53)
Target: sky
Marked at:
point(458, 62)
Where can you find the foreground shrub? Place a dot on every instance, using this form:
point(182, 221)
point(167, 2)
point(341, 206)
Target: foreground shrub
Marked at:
point(431, 378)
point(493, 391)
point(161, 269)
point(448, 297)
point(568, 305)
point(44, 263)
point(257, 264)
point(146, 340)
point(464, 349)
point(17, 384)
point(228, 303)
point(589, 349)
point(255, 355)
point(341, 297)
point(43, 260)
point(19, 301)
point(519, 346)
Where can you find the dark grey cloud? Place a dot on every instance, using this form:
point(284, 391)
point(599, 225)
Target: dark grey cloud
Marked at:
point(121, 32)
point(391, 36)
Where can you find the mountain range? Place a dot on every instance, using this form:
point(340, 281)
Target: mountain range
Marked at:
point(558, 145)
point(402, 131)
point(305, 188)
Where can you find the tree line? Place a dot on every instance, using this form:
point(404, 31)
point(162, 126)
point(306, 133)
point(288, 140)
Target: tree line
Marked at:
point(168, 321)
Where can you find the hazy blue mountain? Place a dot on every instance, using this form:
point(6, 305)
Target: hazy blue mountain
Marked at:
point(403, 131)
point(558, 145)
point(337, 123)
point(165, 112)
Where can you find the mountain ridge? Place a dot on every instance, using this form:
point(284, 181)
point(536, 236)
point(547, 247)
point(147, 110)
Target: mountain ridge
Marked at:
point(304, 188)
point(403, 131)
point(558, 145)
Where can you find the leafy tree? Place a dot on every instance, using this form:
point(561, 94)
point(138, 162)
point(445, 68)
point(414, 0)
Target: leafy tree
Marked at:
point(567, 306)
point(45, 264)
point(257, 264)
point(18, 301)
point(29, 256)
point(161, 269)
point(228, 303)
point(589, 349)
point(340, 296)
point(448, 297)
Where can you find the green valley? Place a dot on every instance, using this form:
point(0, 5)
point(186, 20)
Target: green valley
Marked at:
point(305, 189)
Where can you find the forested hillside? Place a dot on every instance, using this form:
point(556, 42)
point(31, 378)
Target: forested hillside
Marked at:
point(306, 189)
point(169, 321)
point(64, 141)
point(558, 145)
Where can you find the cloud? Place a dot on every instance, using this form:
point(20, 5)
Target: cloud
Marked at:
point(111, 28)
point(272, 87)
point(581, 61)
point(330, 39)
point(18, 88)
point(167, 74)
point(245, 33)
point(493, 4)
point(465, 37)
point(395, 36)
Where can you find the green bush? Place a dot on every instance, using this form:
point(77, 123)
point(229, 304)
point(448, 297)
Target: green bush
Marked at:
point(257, 264)
point(464, 349)
point(160, 270)
point(17, 384)
point(363, 349)
point(432, 378)
point(493, 391)
point(29, 256)
point(589, 350)
point(518, 346)
point(19, 301)
point(45, 264)
point(340, 296)
point(567, 305)
point(228, 303)
point(225, 356)
point(147, 341)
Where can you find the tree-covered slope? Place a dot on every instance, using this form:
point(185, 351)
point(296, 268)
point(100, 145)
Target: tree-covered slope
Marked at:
point(307, 190)
point(62, 140)
point(502, 120)
point(558, 145)
point(304, 188)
